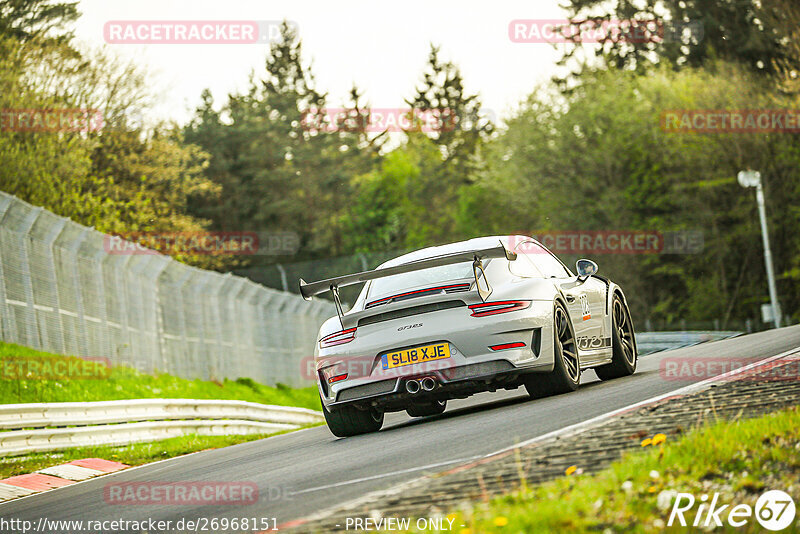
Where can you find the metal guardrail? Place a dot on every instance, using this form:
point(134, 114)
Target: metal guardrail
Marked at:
point(649, 342)
point(51, 426)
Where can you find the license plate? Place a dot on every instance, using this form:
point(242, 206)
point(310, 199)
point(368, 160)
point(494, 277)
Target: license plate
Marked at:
point(427, 353)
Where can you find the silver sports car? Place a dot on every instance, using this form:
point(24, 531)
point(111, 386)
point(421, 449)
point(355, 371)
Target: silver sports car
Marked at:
point(446, 322)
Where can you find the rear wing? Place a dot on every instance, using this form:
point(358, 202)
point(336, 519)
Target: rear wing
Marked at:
point(307, 290)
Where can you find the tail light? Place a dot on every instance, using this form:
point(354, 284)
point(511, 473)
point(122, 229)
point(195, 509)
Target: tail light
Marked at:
point(338, 338)
point(331, 375)
point(504, 346)
point(493, 308)
point(337, 378)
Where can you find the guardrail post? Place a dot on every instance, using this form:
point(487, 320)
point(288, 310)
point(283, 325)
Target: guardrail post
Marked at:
point(251, 300)
point(138, 314)
point(215, 283)
point(157, 266)
point(206, 346)
point(121, 274)
point(151, 268)
point(244, 326)
point(50, 240)
point(31, 330)
point(295, 309)
point(180, 308)
point(228, 326)
point(265, 347)
point(97, 259)
point(83, 335)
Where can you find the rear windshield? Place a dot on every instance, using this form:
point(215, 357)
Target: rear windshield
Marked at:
point(398, 283)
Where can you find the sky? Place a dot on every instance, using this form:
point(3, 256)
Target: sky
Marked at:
point(382, 47)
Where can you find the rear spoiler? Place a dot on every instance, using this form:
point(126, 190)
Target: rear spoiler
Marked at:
point(307, 290)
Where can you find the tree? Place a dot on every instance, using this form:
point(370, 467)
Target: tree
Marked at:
point(281, 168)
point(784, 15)
point(597, 158)
point(446, 140)
point(40, 21)
point(461, 128)
point(694, 33)
point(111, 174)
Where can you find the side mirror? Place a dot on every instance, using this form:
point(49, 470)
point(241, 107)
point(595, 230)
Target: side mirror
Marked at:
point(585, 268)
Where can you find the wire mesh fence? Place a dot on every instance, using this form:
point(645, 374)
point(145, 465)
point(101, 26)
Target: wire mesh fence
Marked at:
point(285, 275)
point(61, 291)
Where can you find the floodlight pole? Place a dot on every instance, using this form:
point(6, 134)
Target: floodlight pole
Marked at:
point(753, 179)
point(773, 292)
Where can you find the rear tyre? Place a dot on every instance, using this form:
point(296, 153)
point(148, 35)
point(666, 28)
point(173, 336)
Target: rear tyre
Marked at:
point(350, 421)
point(623, 345)
point(566, 373)
point(424, 409)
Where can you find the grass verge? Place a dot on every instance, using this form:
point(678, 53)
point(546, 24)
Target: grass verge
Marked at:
point(28, 375)
point(133, 454)
point(737, 459)
point(23, 380)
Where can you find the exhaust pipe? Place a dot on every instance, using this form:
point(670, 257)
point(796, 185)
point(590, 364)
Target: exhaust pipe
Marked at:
point(412, 386)
point(428, 383)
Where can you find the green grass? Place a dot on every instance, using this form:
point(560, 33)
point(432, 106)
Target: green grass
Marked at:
point(127, 383)
point(120, 383)
point(133, 454)
point(739, 459)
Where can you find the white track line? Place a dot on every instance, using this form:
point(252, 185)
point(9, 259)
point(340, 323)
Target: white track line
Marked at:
point(384, 475)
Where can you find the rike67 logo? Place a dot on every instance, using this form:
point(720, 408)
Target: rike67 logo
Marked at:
point(774, 510)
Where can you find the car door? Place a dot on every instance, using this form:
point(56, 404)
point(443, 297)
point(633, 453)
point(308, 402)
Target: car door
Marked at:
point(585, 298)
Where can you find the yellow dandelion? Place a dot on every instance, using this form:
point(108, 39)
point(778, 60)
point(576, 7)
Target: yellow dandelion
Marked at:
point(500, 521)
point(651, 489)
point(571, 469)
point(659, 438)
point(646, 442)
point(465, 531)
point(451, 517)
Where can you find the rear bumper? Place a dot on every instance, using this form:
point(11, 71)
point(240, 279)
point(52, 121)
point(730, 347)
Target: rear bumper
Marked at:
point(480, 358)
point(455, 382)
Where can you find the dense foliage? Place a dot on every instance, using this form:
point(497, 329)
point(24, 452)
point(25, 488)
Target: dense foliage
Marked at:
point(585, 152)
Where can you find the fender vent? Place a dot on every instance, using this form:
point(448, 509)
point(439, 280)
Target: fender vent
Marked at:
point(536, 341)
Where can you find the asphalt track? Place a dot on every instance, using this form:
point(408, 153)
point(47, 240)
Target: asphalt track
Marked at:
point(305, 472)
